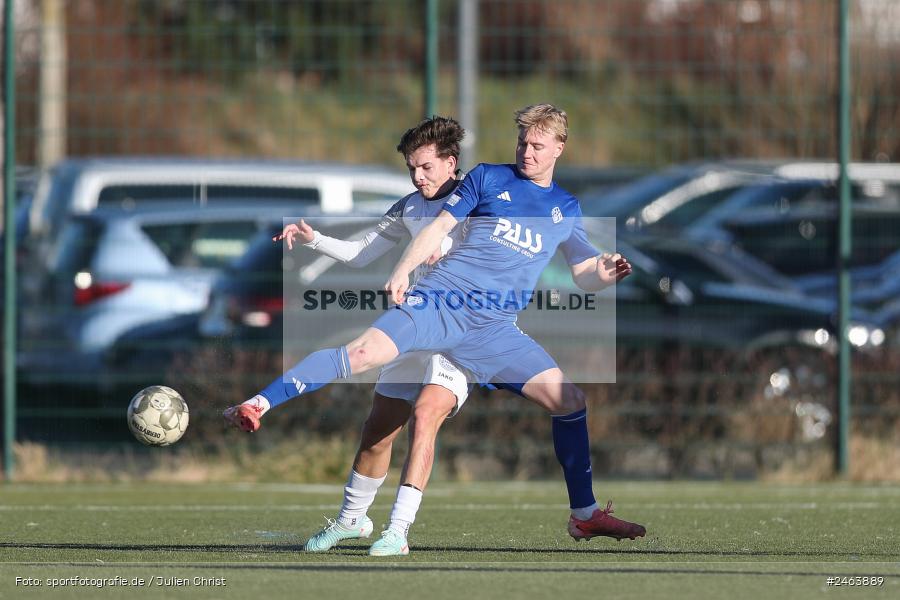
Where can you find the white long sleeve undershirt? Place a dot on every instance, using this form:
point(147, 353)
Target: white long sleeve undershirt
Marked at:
point(355, 253)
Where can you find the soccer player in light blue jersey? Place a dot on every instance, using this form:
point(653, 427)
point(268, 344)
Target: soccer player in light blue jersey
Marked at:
point(431, 150)
point(515, 219)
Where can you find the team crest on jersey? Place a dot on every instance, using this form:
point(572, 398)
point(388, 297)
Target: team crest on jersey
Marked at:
point(453, 200)
point(556, 214)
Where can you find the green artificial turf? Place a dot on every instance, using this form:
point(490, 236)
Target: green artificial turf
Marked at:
point(485, 540)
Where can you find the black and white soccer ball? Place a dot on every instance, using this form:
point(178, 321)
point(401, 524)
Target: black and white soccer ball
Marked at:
point(158, 416)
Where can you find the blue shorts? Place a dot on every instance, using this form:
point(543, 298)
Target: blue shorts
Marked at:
point(498, 352)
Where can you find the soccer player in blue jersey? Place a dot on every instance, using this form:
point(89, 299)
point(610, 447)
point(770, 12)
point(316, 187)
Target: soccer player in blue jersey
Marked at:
point(516, 218)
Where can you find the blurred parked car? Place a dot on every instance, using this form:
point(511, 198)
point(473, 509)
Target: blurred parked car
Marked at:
point(697, 197)
point(26, 183)
point(803, 240)
point(875, 185)
point(871, 286)
point(77, 186)
point(694, 295)
point(686, 189)
point(111, 271)
point(248, 302)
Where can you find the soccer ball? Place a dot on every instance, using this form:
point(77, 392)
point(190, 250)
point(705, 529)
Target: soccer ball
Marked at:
point(158, 416)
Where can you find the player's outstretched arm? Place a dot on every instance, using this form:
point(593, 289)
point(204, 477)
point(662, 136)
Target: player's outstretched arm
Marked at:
point(424, 245)
point(600, 272)
point(353, 253)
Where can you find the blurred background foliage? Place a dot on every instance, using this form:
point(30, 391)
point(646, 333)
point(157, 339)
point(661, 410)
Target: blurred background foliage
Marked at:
point(645, 81)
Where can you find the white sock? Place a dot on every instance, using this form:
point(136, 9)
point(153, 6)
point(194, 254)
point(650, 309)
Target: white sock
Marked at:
point(359, 494)
point(259, 402)
point(405, 508)
point(583, 514)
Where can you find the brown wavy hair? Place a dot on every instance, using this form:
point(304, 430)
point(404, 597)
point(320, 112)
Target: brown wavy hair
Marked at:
point(445, 133)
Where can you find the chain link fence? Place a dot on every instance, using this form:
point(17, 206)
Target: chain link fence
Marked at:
point(646, 83)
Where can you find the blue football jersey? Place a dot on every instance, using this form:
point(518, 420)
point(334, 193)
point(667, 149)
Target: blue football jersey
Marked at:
point(512, 229)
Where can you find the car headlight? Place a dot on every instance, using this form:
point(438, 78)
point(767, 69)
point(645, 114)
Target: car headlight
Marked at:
point(863, 336)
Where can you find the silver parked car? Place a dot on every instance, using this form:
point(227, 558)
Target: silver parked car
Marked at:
point(111, 271)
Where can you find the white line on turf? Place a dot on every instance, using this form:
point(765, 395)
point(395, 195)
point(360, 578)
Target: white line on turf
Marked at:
point(468, 506)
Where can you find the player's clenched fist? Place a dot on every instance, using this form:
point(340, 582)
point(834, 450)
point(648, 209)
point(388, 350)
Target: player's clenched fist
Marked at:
point(397, 286)
point(303, 232)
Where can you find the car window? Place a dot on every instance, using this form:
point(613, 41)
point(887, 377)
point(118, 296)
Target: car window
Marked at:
point(807, 243)
point(376, 198)
point(301, 195)
point(768, 200)
point(622, 201)
point(128, 196)
point(75, 247)
point(56, 207)
point(690, 211)
point(202, 245)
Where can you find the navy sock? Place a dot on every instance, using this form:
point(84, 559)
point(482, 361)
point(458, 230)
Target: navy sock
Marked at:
point(570, 440)
point(316, 370)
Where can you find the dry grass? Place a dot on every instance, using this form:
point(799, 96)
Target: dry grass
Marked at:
point(310, 460)
point(872, 460)
point(327, 459)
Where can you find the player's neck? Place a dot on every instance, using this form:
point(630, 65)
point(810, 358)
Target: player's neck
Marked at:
point(544, 180)
point(444, 190)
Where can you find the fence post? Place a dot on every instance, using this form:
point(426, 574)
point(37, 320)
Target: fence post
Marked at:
point(468, 80)
point(9, 260)
point(844, 240)
point(431, 57)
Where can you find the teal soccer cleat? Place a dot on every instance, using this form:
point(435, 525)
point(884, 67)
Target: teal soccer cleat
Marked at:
point(390, 544)
point(334, 532)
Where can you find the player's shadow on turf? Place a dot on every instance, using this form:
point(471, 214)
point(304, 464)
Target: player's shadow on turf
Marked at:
point(347, 550)
point(644, 551)
point(157, 547)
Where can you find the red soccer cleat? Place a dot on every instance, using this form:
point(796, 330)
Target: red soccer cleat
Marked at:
point(243, 416)
point(603, 523)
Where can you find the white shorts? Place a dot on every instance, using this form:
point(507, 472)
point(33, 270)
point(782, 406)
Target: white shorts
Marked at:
point(398, 378)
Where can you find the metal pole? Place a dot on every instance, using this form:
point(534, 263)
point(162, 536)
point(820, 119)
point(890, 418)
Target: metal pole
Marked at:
point(9, 262)
point(431, 57)
point(52, 105)
point(844, 241)
point(468, 80)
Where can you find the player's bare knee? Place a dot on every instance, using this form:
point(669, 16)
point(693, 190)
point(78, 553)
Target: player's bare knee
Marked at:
point(429, 415)
point(573, 398)
point(360, 358)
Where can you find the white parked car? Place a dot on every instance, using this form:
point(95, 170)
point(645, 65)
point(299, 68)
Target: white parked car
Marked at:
point(78, 186)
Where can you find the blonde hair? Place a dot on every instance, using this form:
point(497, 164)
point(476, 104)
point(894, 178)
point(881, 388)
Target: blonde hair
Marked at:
point(545, 118)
